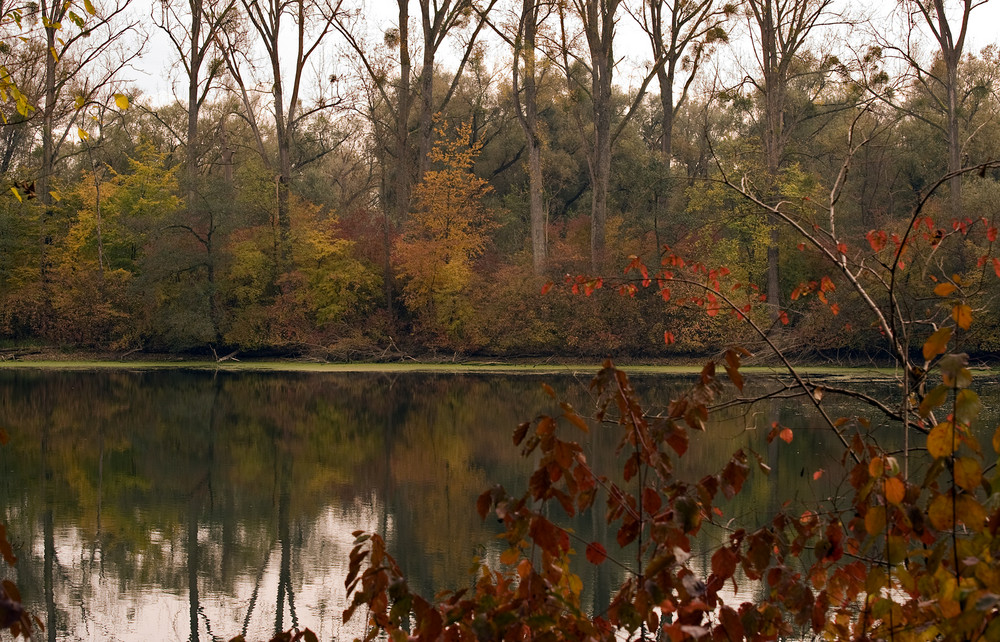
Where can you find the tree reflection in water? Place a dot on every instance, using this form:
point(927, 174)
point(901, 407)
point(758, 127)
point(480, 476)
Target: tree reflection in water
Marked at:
point(206, 504)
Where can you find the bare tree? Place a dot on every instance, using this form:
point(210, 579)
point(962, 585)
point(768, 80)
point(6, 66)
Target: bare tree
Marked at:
point(193, 28)
point(598, 19)
point(681, 35)
point(311, 21)
point(942, 84)
point(780, 29)
point(81, 60)
point(526, 107)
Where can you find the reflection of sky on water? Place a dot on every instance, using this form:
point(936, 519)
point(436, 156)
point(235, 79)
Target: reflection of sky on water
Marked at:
point(96, 604)
point(324, 455)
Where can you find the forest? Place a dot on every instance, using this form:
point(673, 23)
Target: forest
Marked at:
point(461, 179)
point(556, 178)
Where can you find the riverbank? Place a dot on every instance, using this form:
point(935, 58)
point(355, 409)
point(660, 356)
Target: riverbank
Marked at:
point(54, 358)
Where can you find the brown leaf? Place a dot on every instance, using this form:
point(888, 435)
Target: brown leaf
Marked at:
point(937, 343)
point(678, 439)
point(520, 432)
point(724, 563)
point(546, 426)
point(549, 537)
point(5, 549)
point(944, 289)
point(733, 368)
point(483, 503)
point(962, 314)
point(895, 490)
point(575, 418)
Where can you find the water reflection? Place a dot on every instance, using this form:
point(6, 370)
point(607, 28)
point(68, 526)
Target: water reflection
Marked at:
point(200, 505)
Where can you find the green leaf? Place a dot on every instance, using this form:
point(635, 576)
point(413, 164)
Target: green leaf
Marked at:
point(954, 371)
point(934, 398)
point(89, 6)
point(967, 406)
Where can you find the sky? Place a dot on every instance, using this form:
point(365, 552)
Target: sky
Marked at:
point(154, 73)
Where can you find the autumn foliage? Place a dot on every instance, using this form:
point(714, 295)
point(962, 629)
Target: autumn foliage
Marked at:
point(449, 228)
point(909, 552)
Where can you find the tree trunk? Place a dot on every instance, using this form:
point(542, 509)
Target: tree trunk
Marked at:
point(527, 113)
point(951, 61)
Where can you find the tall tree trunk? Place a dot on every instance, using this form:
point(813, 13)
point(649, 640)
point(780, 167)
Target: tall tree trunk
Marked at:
point(48, 147)
point(526, 102)
point(951, 60)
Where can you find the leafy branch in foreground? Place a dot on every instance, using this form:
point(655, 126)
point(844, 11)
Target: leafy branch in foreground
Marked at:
point(906, 558)
point(910, 553)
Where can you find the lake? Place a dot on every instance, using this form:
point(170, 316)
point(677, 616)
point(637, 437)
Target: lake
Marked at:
point(198, 505)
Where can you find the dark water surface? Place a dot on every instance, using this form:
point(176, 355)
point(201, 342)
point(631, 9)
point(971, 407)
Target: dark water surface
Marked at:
point(199, 505)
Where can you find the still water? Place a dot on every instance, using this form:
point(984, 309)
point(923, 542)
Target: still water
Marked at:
point(196, 505)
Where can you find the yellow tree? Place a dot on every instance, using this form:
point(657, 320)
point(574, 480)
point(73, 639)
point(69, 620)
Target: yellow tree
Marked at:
point(448, 229)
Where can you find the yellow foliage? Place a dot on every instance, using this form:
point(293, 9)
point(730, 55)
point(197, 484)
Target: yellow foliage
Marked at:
point(448, 229)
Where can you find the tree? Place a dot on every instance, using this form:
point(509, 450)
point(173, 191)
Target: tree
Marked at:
point(598, 19)
point(392, 111)
point(942, 82)
point(780, 31)
point(71, 64)
point(311, 21)
point(526, 106)
point(194, 32)
point(447, 231)
point(681, 34)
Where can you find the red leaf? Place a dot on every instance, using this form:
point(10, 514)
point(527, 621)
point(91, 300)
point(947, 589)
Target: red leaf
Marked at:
point(668, 337)
point(724, 563)
point(876, 239)
point(547, 287)
point(991, 234)
point(842, 248)
point(596, 554)
point(996, 266)
point(784, 317)
point(549, 537)
point(818, 474)
point(786, 435)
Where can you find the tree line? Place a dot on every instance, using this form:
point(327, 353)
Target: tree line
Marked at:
point(327, 183)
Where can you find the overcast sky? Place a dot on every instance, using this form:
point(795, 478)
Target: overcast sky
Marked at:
point(153, 72)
